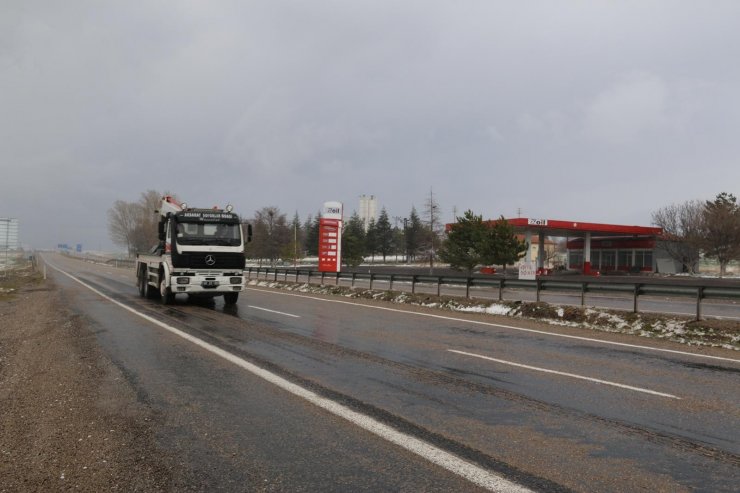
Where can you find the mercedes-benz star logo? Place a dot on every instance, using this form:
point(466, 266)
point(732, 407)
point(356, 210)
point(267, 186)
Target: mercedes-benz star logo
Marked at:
point(210, 260)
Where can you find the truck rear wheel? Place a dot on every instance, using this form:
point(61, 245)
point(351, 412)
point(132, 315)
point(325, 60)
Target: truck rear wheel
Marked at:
point(141, 282)
point(145, 289)
point(231, 298)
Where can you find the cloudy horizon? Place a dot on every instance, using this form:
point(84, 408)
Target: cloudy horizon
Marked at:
point(590, 111)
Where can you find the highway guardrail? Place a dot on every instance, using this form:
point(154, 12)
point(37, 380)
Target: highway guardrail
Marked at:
point(634, 289)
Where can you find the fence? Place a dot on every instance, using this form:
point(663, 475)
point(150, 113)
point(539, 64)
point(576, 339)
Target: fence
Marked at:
point(634, 290)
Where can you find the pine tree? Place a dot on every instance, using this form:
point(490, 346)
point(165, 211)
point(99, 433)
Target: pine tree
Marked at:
point(413, 233)
point(371, 239)
point(384, 234)
point(503, 247)
point(353, 241)
point(467, 243)
point(311, 244)
point(292, 250)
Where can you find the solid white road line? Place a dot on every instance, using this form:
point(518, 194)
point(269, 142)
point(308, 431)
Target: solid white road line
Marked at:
point(571, 375)
point(489, 324)
point(274, 311)
point(471, 472)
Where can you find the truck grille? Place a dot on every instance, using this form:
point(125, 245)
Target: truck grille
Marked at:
point(208, 260)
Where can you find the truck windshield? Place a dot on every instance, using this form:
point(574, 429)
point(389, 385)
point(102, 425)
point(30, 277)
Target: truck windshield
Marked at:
point(208, 234)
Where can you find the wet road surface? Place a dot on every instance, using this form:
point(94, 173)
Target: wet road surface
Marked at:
point(548, 409)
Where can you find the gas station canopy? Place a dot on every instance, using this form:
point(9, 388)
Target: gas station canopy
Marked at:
point(554, 227)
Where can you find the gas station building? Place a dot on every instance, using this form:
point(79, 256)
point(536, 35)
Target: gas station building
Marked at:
point(594, 247)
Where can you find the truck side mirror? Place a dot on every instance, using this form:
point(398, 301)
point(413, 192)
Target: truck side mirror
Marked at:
point(160, 230)
point(249, 233)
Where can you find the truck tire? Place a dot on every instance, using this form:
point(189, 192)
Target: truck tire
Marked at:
point(231, 298)
point(168, 297)
point(145, 289)
point(141, 282)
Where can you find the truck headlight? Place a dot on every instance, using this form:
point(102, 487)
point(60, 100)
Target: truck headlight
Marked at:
point(183, 280)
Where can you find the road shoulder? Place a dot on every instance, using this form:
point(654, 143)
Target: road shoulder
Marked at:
point(69, 418)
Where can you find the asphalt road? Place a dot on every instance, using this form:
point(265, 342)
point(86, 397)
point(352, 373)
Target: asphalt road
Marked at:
point(288, 392)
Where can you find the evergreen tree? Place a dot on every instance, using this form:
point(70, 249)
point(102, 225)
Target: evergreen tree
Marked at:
point(502, 246)
point(311, 244)
point(384, 234)
point(413, 233)
point(371, 238)
point(353, 241)
point(467, 243)
point(292, 250)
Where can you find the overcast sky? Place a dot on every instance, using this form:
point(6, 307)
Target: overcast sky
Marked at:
point(588, 111)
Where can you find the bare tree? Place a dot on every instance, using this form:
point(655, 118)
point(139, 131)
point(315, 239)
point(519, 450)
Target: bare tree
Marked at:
point(682, 226)
point(134, 224)
point(271, 235)
point(122, 222)
point(434, 225)
point(721, 231)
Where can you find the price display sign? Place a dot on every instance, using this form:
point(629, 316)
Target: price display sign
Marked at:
point(330, 237)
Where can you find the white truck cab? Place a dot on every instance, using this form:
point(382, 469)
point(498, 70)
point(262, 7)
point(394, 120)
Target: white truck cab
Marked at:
point(200, 253)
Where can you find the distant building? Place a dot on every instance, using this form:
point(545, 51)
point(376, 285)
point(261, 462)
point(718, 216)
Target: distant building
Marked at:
point(368, 209)
point(9, 239)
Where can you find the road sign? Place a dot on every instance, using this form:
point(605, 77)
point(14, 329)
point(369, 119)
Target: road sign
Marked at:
point(527, 271)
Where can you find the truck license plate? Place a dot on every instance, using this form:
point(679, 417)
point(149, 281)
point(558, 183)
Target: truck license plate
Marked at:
point(209, 284)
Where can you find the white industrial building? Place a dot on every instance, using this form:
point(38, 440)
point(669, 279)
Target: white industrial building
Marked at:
point(368, 209)
point(9, 239)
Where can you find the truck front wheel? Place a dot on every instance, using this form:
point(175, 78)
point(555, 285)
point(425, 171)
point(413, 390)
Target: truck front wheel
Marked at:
point(168, 297)
point(231, 298)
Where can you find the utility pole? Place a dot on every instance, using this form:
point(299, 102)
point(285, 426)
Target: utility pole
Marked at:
point(405, 240)
point(432, 207)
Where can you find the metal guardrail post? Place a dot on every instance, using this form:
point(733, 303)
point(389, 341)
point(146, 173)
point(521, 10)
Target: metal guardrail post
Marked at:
point(413, 284)
point(322, 277)
point(467, 287)
point(501, 290)
point(390, 288)
point(637, 294)
point(439, 286)
point(309, 276)
point(371, 281)
point(276, 273)
point(354, 275)
point(539, 288)
point(699, 296)
point(584, 288)
point(336, 281)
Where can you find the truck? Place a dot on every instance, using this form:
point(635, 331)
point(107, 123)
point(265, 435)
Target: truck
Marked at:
point(200, 253)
